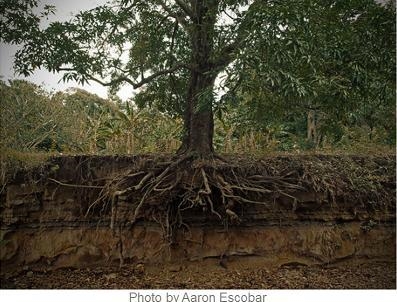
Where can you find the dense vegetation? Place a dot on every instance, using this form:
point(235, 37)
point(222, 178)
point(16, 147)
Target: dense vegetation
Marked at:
point(76, 121)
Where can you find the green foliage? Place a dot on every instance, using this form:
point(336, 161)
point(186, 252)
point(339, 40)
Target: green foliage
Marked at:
point(340, 84)
point(77, 121)
point(243, 128)
point(18, 21)
point(30, 120)
point(335, 59)
point(36, 122)
point(307, 54)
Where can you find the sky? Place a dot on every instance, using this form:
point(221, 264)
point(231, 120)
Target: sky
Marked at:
point(52, 81)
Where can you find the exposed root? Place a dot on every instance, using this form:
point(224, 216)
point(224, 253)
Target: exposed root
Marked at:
point(214, 185)
point(74, 185)
point(164, 190)
point(113, 213)
point(137, 187)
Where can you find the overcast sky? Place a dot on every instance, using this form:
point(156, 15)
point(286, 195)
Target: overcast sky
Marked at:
point(51, 81)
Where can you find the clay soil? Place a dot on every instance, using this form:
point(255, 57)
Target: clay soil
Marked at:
point(357, 275)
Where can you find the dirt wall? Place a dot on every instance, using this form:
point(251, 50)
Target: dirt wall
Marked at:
point(44, 221)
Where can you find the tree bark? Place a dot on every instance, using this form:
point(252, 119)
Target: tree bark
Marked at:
point(198, 119)
point(313, 123)
point(311, 126)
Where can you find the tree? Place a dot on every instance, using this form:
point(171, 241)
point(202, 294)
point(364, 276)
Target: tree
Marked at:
point(174, 50)
point(308, 54)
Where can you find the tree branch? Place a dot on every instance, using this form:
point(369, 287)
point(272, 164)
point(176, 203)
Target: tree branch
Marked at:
point(228, 53)
point(135, 85)
point(178, 17)
point(171, 60)
point(185, 7)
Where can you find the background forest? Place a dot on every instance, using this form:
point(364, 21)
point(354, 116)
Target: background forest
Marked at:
point(76, 121)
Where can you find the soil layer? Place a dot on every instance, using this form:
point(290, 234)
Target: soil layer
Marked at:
point(349, 275)
point(161, 221)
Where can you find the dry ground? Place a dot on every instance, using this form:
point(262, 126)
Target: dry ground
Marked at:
point(364, 275)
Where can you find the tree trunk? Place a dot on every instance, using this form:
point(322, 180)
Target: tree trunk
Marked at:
point(313, 123)
point(311, 127)
point(198, 119)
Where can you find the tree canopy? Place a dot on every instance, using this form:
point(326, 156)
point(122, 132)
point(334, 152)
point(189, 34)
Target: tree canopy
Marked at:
point(329, 56)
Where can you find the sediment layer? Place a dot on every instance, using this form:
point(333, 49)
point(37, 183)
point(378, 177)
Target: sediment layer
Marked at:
point(44, 220)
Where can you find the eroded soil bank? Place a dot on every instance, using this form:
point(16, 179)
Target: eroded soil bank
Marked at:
point(323, 219)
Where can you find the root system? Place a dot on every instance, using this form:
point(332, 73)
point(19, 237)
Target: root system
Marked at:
point(162, 188)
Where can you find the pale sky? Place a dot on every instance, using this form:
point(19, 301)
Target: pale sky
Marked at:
point(52, 81)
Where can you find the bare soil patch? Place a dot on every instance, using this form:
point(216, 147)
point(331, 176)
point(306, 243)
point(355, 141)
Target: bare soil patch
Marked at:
point(355, 275)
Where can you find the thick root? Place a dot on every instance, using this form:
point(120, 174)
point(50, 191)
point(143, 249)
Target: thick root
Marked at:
point(216, 186)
